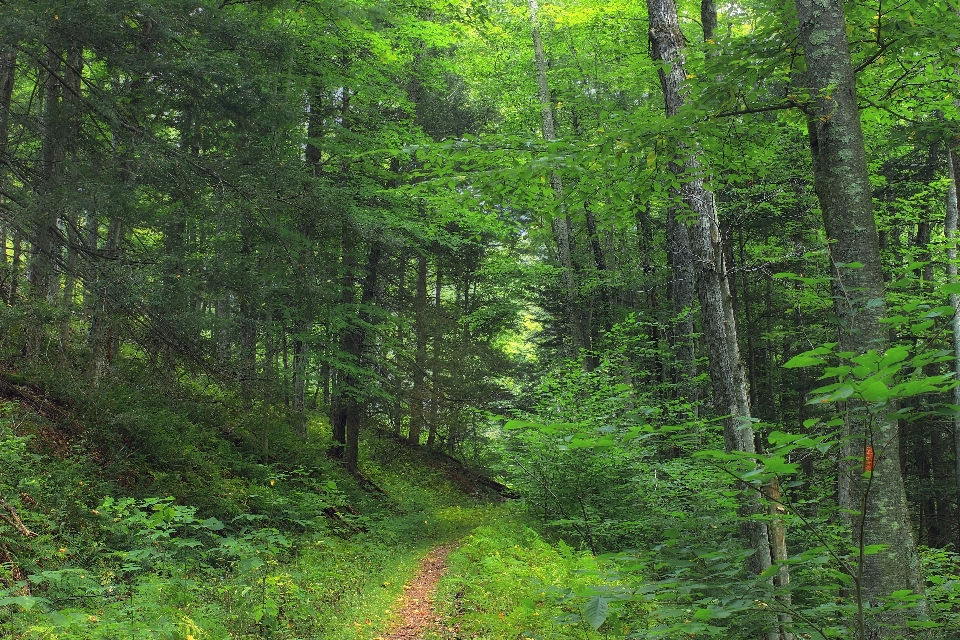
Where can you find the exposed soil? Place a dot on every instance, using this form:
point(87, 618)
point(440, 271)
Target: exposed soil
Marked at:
point(415, 607)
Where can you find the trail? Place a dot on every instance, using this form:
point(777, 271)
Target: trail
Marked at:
point(415, 606)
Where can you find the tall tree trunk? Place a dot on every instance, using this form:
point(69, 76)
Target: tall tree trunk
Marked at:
point(418, 394)
point(683, 294)
point(950, 232)
point(357, 346)
point(8, 69)
point(433, 422)
point(560, 220)
point(301, 355)
point(43, 265)
point(730, 393)
point(339, 399)
point(843, 188)
point(73, 76)
point(102, 336)
point(591, 358)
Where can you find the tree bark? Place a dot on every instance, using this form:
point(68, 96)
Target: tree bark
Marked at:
point(418, 393)
point(339, 397)
point(301, 355)
point(43, 265)
point(560, 220)
point(950, 232)
point(8, 69)
point(730, 393)
point(843, 189)
point(433, 422)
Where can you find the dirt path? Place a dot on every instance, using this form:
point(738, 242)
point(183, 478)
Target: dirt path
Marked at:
point(416, 604)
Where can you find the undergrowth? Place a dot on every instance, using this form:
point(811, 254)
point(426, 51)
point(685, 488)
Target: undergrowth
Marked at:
point(506, 581)
point(141, 512)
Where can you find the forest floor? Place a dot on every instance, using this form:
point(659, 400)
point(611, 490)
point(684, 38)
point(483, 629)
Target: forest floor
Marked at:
point(416, 610)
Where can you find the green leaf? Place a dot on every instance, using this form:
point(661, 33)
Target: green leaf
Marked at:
point(213, 524)
point(951, 287)
point(519, 424)
point(875, 391)
point(802, 360)
point(871, 549)
point(595, 611)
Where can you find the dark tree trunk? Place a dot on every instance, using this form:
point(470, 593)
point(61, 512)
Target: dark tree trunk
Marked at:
point(418, 399)
point(43, 265)
point(433, 422)
point(341, 390)
point(950, 233)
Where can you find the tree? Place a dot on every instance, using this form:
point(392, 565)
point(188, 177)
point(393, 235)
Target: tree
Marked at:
point(843, 189)
point(730, 393)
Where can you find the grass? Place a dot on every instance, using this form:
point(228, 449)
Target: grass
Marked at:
point(245, 546)
point(505, 581)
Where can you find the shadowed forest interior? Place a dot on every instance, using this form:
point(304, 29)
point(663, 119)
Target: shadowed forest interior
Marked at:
point(618, 319)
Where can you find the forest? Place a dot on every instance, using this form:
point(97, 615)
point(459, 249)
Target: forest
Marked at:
point(486, 319)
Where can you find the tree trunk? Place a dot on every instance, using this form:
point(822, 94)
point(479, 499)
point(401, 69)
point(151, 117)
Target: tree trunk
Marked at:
point(559, 221)
point(102, 337)
point(682, 299)
point(8, 68)
point(418, 394)
point(843, 188)
point(950, 232)
point(730, 394)
point(301, 355)
point(43, 265)
point(71, 125)
point(433, 422)
point(357, 347)
point(339, 397)
point(347, 404)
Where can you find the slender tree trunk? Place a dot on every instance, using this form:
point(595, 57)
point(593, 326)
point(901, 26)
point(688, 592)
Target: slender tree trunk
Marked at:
point(730, 393)
point(843, 188)
point(15, 266)
point(339, 398)
point(8, 69)
point(102, 337)
point(43, 266)
point(603, 271)
point(560, 220)
point(301, 355)
point(357, 346)
point(71, 124)
point(950, 232)
point(683, 293)
point(433, 422)
point(418, 399)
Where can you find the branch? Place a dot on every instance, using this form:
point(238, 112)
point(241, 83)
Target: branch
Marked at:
point(888, 110)
point(14, 519)
point(769, 107)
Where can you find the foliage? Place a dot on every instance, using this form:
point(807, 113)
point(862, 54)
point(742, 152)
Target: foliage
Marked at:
point(505, 581)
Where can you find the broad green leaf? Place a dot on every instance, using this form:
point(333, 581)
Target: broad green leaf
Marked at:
point(875, 391)
point(802, 360)
point(950, 287)
point(595, 611)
